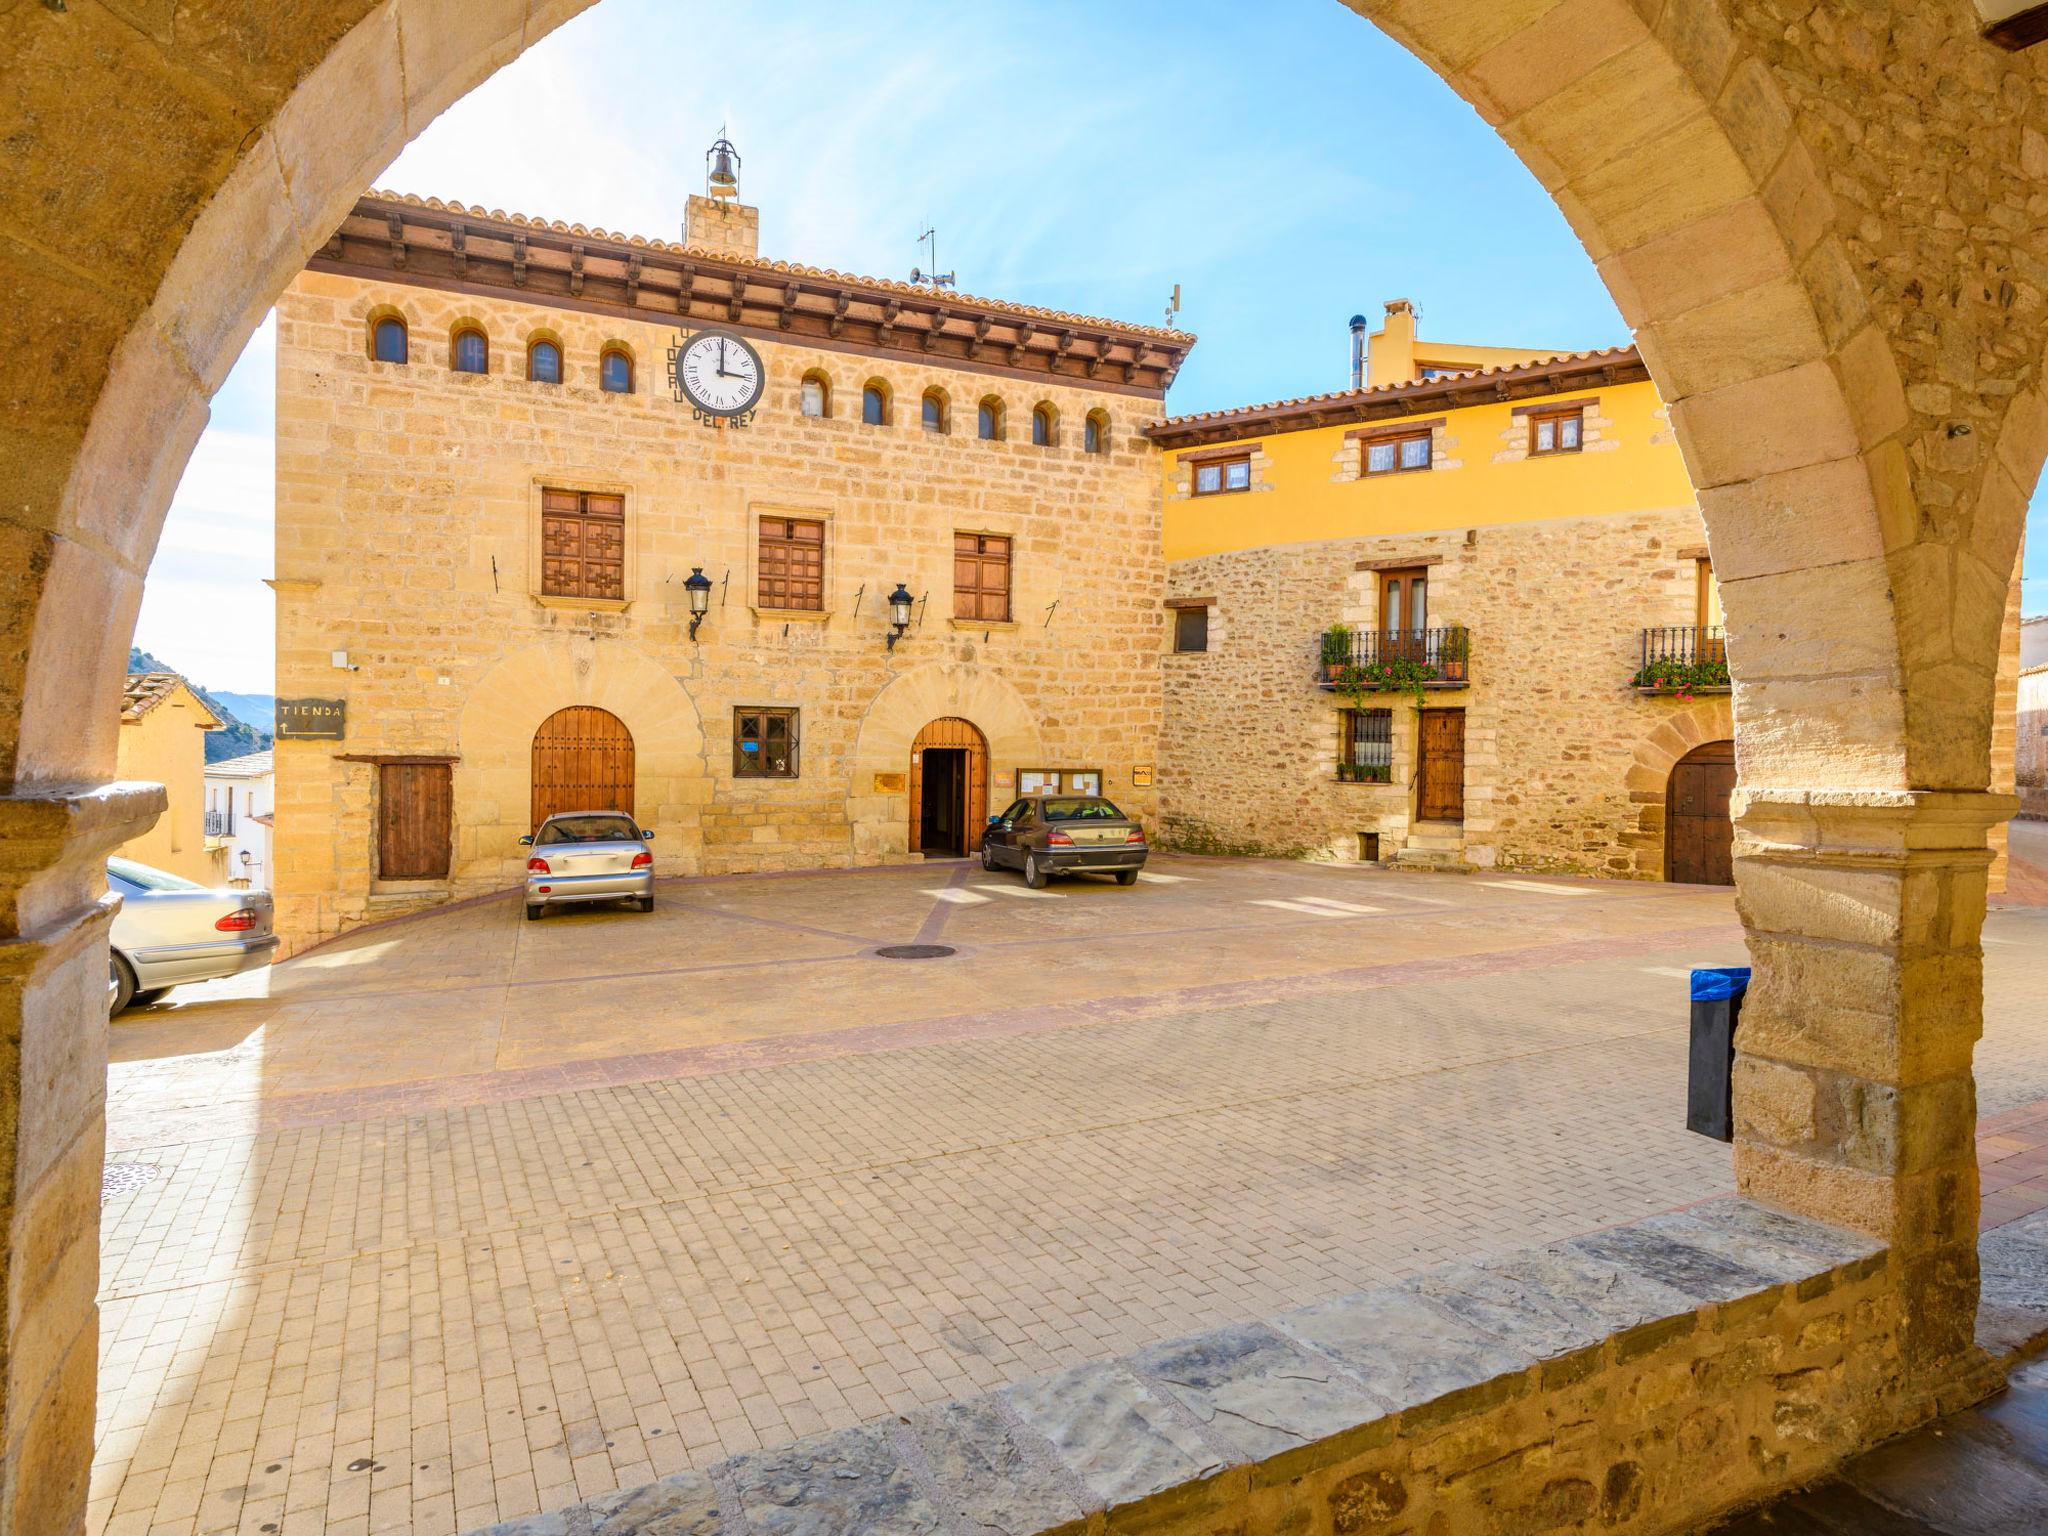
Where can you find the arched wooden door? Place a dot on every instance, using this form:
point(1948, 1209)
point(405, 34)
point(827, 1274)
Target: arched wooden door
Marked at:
point(948, 787)
point(582, 761)
point(1699, 837)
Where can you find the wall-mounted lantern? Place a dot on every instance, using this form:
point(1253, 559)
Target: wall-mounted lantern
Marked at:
point(699, 589)
point(900, 604)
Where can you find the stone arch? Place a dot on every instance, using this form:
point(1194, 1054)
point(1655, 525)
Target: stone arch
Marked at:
point(509, 704)
point(1687, 726)
point(936, 690)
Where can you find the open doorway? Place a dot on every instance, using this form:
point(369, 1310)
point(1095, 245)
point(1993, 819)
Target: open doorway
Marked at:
point(948, 788)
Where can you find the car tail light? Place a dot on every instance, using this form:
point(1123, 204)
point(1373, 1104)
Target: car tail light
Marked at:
point(1137, 835)
point(241, 920)
point(1058, 839)
point(538, 867)
point(643, 860)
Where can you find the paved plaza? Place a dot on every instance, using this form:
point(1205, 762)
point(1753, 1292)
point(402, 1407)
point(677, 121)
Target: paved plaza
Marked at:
point(466, 1217)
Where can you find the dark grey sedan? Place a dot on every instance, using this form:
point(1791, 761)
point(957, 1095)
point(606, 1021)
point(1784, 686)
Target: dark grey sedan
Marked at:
point(1047, 835)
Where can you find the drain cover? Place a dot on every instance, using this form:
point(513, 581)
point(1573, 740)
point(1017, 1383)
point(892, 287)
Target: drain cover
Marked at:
point(914, 951)
point(118, 1179)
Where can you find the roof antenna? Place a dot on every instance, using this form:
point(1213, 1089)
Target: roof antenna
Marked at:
point(935, 278)
point(1173, 308)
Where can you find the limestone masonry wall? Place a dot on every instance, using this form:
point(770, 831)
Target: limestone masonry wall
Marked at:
point(408, 536)
point(1566, 765)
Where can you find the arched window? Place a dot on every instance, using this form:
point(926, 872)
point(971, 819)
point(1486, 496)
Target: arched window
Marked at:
point(934, 410)
point(615, 371)
point(989, 420)
point(1095, 433)
point(816, 395)
point(472, 352)
point(387, 339)
point(874, 403)
point(1044, 426)
point(544, 362)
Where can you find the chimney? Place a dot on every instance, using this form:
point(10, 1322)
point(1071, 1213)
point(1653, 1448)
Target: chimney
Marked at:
point(1392, 354)
point(1357, 351)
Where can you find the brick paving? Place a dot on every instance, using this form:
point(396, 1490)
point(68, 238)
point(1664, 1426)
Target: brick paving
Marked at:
point(492, 1220)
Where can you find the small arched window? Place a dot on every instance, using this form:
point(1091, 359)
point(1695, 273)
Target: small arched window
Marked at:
point(934, 411)
point(1095, 433)
point(874, 404)
point(1042, 426)
point(472, 351)
point(988, 420)
point(387, 340)
point(544, 362)
point(615, 372)
point(816, 395)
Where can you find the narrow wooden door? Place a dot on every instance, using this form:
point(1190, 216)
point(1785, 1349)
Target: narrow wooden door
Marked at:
point(414, 814)
point(1440, 794)
point(950, 731)
point(582, 761)
point(1699, 836)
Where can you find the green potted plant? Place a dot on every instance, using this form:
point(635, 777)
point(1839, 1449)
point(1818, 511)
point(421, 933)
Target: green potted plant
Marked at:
point(1336, 650)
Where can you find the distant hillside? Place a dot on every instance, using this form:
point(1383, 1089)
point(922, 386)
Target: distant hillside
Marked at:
point(257, 709)
point(238, 737)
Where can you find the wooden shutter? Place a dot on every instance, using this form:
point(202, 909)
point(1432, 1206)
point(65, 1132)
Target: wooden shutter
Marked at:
point(582, 761)
point(981, 577)
point(1441, 796)
point(582, 545)
point(792, 563)
point(415, 807)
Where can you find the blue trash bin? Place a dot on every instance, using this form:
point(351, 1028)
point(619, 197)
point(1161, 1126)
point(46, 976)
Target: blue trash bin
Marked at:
point(1710, 1069)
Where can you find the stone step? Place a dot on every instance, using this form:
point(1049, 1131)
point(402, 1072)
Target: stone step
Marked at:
point(1434, 860)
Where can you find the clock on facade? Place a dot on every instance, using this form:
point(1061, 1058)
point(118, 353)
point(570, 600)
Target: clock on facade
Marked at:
point(720, 375)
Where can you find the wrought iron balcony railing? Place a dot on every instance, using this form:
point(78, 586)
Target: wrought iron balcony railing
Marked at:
point(1683, 659)
point(1394, 660)
point(218, 824)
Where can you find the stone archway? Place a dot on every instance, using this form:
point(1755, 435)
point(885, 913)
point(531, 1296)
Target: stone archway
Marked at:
point(1648, 779)
point(1836, 357)
point(879, 802)
point(946, 817)
point(1699, 838)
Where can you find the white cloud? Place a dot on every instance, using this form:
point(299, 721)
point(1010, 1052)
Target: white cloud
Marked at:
point(205, 610)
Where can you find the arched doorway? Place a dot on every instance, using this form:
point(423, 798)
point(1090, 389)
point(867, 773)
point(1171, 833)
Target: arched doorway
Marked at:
point(948, 787)
point(1699, 837)
point(582, 761)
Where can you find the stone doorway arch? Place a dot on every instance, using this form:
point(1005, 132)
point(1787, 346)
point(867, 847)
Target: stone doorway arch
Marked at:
point(157, 204)
point(1699, 837)
point(948, 787)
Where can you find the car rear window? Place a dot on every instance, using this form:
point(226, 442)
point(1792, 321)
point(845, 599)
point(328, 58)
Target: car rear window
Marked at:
point(1080, 810)
point(150, 879)
point(588, 829)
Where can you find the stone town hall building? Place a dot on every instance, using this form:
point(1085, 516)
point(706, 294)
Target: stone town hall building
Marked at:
point(492, 502)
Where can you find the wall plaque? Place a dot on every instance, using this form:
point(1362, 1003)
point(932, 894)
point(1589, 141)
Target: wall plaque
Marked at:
point(311, 719)
point(891, 783)
point(1141, 776)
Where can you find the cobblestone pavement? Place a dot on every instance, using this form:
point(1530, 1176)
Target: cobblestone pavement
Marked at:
point(467, 1217)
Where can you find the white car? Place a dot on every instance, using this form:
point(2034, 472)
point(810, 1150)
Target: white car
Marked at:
point(172, 930)
point(588, 856)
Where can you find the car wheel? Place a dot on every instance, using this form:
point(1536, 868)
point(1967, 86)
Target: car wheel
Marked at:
point(645, 903)
point(124, 982)
point(1033, 875)
point(1127, 877)
point(533, 912)
point(988, 857)
point(153, 995)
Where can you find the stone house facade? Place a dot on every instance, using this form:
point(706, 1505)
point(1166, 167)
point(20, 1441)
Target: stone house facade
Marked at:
point(485, 553)
point(1500, 550)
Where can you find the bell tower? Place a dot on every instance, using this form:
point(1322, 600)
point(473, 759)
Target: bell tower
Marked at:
point(717, 220)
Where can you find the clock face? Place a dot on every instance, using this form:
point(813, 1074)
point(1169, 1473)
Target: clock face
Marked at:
point(720, 374)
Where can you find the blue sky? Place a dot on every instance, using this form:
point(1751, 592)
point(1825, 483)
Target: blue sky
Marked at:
point(1284, 163)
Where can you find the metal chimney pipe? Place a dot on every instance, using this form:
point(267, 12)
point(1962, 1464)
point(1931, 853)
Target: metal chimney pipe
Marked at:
point(1358, 351)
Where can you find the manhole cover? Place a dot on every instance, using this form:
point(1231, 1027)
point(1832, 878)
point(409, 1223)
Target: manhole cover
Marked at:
point(118, 1179)
point(914, 951)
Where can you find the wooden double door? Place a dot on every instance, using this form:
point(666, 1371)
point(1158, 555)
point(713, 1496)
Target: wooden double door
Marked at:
point(948, 787)
point(582, 761)
point(1699, 835)
point(1440, 765)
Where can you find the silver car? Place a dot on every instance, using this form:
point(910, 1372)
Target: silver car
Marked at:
point(588, 856)
point(172, 930)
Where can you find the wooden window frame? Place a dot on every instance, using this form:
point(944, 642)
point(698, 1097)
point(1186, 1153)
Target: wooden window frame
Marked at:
point(1095, 425)
point(1349, 741)
point(585, 517)
point(1045, 426)
point(1395, 441)
point(1222, 464)
point(1574, 413)
point(463, 332)
point(610, 351)
point(824, 384)
point(933, 403)
point(1180, 615)
point(761, 714)
point(973, 597)
point(783, 544)
point(988, 419)
point(880, 391)
point(1406, 578)
point(377, 324)
point(534, 346)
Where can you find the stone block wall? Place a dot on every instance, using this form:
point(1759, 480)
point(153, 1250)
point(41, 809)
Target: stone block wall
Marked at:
point(1565, 763)
point(2032, 743)
point(408, 537)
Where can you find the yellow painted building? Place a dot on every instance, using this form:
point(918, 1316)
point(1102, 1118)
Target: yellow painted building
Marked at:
point(1459, 615)
point(163, 740)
